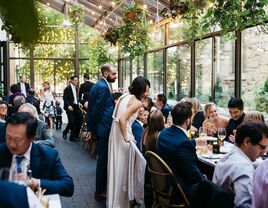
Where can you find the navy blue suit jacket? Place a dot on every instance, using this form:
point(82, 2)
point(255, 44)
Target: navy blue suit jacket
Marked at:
point(137, 131)
point(46, 166)
point(13, 195)
point(100, 109)
point(179, 153)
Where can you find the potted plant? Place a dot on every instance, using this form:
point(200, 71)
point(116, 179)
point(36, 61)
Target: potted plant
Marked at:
point(133, 33)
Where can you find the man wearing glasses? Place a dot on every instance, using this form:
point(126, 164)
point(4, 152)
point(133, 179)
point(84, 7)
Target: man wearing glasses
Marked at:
point(234, 172)
point(3, 114)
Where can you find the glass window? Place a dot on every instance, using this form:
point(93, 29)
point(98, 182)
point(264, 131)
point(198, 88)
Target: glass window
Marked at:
point(19, 67)
point(17, 51)
point(203, 69)
point(224, 68)
point(54, 50)
point(254, 69)
point(155, 72)
point(137, 67)
point(178, 72)
point(157, 37)
point(126, 73)
point(175, 31)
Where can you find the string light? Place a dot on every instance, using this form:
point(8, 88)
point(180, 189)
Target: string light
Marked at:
point(100, 6)
point(113, 3)
point(144, 6)
point(93, 13)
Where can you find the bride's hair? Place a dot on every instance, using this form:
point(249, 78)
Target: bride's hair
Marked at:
point(138, 86)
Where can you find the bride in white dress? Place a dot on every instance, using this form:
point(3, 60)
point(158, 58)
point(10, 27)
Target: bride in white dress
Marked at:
point(120, 137)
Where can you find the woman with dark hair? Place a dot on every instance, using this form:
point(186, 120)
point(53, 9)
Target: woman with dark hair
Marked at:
point(121, 142)
point(155, 125)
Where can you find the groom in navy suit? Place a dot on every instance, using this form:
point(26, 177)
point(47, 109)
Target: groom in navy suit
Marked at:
point(177, 150)
point(20, 153)
point(99, 121)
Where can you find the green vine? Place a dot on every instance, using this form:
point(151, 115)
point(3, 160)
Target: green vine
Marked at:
point(76, 14)
point(21, 21)
point(132, 35)
point(203, 16)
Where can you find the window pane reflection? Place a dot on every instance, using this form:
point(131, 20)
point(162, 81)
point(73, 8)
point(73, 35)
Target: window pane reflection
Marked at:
point(224, 68)
point(178, 76)
point(155, 72)
point(254, 69)
point(203, 68)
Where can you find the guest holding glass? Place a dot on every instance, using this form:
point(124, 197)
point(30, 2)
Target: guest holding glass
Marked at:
point(213, 121)
point(20, 154)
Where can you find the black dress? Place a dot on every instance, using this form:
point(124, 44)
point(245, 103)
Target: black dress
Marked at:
point(198, 119)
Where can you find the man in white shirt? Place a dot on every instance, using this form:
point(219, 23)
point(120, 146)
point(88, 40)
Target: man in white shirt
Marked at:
point(234, 172)
point(24, 86)
point(71, 106)
point(20, 154)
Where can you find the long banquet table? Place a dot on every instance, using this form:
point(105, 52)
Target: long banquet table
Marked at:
point(207, 162)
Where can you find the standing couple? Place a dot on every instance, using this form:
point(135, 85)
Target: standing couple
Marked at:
point(104, 117)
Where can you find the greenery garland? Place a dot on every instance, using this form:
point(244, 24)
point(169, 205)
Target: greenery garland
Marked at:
point(203, 16)
point(21, 21)
point(76, 14)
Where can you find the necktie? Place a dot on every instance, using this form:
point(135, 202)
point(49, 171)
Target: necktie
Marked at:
point(19, 160)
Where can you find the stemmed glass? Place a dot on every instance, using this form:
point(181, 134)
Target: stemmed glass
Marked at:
point(202, 132)
point(221, 135)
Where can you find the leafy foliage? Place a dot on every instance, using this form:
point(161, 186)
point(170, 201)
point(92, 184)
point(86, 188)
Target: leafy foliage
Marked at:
point(133, 33)
point(20, 20)
point(202, 16)
point(261, 98)
point(76, 14)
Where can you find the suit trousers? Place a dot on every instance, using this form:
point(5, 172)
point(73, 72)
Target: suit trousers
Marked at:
point(101, 169)
point(73, 122)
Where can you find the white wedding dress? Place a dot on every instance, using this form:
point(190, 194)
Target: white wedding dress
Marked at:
point(118, 157)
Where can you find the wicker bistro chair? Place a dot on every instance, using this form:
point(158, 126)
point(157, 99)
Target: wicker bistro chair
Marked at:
point(163, 183)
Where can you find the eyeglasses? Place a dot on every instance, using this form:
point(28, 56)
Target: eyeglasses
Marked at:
point(263, 147)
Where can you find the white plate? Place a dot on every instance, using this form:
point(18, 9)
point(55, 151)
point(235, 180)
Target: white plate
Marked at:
point(209, 138)
point(225, 149)
point(211, 156)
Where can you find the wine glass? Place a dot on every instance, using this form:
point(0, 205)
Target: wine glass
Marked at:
point(221, 135)
point(202, 132)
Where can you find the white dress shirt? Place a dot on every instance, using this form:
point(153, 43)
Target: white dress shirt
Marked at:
point(108, 84)
point(25, 163)
point(234, 172)
point(74, 93)
point(23, 88)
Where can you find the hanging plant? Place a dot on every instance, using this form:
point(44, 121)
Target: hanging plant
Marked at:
point(112, 35)
point(133, 32)
point(76, 14)
point(21, 21)
point(202, 16)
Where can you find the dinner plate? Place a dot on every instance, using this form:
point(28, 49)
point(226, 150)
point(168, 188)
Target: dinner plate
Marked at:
point(225, 149)
point(211, 156)
point(209, 138)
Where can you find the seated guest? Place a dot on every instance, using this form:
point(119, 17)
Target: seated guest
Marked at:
point(254, 116)
point(15, 91)
point(151, 133)
point(198, 113)
point(31, 98)
point(3, 115)
point(161, 102)
point(21, 153)
point(148, 104)
point(236, 111)
point(213, 121)
point(137, 127)
point(43, 134)
point(177, 150)
point(18, 101)
point(17, 196)
point(145, 118)
point(260, 186)
point(234, 171)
